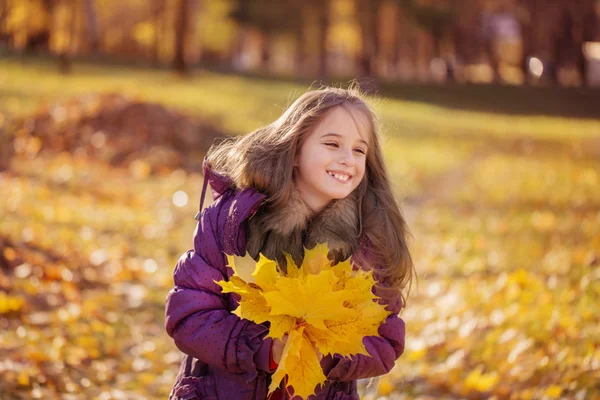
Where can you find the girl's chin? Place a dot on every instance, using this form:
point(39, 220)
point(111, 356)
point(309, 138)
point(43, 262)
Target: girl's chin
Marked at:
point(338, 194)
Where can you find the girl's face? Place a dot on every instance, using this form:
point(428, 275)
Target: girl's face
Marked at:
point(336, 146)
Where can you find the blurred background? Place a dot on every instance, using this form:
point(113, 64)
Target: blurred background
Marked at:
point(505, 41)
point(490, 114)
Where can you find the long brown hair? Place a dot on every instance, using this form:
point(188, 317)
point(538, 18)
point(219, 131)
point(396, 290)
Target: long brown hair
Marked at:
point(263, 159)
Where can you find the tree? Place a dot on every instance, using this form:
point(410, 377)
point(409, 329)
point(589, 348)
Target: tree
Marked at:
point(438, 21)
point(322, 9)
point(158, 12)
point(40, 38)
point(4, 36)
point(436, 18)
point(65, 52)
point(182, 26)
point(89, 7)
point(272, 18)
point(367, 20)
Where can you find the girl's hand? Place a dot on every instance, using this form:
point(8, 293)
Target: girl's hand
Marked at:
point(277, 348)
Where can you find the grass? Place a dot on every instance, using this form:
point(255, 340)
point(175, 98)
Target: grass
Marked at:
point(241, 104)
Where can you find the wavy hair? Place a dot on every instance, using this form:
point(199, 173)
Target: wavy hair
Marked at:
point(263, 159)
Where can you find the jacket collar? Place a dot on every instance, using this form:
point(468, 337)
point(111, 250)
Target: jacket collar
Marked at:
point(294, 227)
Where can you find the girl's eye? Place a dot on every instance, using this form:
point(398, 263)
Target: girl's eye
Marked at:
point(336, 145)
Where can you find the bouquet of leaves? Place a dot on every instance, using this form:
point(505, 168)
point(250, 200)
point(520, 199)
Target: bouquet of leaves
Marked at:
point(320, 307)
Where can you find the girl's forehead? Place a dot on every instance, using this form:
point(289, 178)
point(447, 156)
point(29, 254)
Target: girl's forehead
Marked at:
point(360, 119)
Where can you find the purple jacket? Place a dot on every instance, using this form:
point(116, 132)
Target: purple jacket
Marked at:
point(226, 357)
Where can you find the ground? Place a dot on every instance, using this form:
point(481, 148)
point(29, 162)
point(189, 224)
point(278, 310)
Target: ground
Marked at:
point(100, 192)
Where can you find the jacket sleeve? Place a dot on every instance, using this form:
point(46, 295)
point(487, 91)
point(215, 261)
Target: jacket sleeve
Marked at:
point(384, 349)
point(197, 315)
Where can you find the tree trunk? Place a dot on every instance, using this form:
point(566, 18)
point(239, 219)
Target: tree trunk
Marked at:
point(323, 30)
point(92, 24)
point(157, 14)
point(237, 58)
point(589, 25)
point(367, 16)
point(181, 29)
point(563, 44)
point(64, 57)
point(41, 39)
point(265, 51)
point(3, 13)
point(300, 41)
point(526, 37)
point(400, 39)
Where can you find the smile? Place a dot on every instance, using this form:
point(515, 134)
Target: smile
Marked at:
point(340, 177)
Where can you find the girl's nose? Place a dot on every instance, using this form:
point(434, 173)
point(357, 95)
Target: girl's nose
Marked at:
point(347, 158)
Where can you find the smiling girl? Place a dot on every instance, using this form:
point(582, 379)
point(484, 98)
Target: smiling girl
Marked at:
point(315, 175)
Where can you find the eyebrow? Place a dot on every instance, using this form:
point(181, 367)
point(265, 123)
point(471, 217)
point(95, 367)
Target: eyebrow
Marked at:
point(338, 135)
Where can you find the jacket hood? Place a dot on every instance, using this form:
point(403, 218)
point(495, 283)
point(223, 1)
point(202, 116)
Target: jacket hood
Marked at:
point(219, 183)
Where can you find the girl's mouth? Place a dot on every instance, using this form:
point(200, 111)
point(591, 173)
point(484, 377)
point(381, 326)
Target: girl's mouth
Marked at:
point(340, 177)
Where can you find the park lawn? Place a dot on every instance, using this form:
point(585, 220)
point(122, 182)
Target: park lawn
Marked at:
point(241, 104)
point(505, 244)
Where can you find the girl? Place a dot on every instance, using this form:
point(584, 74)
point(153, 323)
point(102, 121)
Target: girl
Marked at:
point(314, 175)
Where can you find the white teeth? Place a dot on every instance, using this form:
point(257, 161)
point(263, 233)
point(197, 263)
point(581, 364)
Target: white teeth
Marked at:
point(338, 176)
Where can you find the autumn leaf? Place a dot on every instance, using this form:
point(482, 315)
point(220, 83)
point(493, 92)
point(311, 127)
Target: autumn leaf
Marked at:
point(319, 306)
point(242, 266)
point(301, 365)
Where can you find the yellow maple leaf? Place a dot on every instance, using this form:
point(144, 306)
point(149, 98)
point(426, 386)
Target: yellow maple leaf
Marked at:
point(291, 349)
point(266, 273)
point(328, 341)
point(242, 266)
point(253, 307)
point(315, 259)
point(310, 302)
point(280, 325)
point(292, 270)
point(319, 306)
point(252, 304)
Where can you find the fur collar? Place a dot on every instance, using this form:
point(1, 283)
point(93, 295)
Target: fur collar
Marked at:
point(295, 226)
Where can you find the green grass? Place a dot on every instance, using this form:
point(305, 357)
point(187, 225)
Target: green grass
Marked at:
point(242, 104)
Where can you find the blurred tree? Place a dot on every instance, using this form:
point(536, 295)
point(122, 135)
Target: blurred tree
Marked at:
point(439, 22)
point(91, 24)
point(182, 26)
point(322, 9)
point(69, 30)
point(272, 18)
point(435, 17)
point(526, 10)
point(38, 37)
point(555, 32)
point(241, 14)
point(300, 40)
point(367, 12)
point(409, 42)
point(268, 17)
point(4, 36)
point(578, 22)
point(159, 25)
